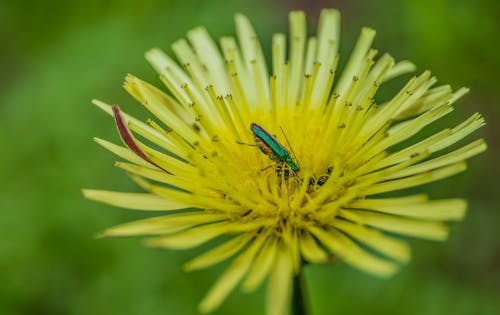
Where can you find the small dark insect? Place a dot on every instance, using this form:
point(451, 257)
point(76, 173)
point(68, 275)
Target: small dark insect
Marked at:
point(321, 179)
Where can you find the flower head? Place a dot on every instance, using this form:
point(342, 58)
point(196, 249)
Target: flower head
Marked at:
point(291, 166)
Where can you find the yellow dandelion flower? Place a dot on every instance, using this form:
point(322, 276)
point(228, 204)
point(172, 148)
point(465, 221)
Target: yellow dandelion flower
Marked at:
point(292, 166)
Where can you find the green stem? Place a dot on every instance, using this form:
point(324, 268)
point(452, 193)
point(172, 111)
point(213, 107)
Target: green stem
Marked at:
point(299, 297)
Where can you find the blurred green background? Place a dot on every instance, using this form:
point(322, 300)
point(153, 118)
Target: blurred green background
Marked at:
point(56, 56)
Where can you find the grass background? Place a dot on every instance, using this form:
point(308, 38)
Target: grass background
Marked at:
point(56, 56)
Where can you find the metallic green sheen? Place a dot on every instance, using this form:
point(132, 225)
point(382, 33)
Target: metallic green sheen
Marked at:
point(280, 153)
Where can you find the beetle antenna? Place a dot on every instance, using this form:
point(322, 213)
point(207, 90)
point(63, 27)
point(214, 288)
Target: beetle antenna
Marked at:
point(290, 146)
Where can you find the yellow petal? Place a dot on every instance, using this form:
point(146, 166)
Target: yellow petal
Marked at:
point(355, 60)
point(328, 43)
point(231, 277)
point(280, 285)
point(262, 265)
point(255, 61)
point(433, 97)
point(458, 155)
point(402, 131)
point(166, 66)
point(416, 180)
point(123, 152)
point(470, 125)
point(201, 234)
point(425, 229)
point(408, 152)
point(143, 130)
point(155, 100)
point(219, 253)
point(136, 201)
point(212, 60)
point(389, 246)
point(164, 224)
point(400, 68)
point(190, 238)
point(156, 175)
point(310, 249)
point(448, 209)
point(195, 200)
point(347, 250)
